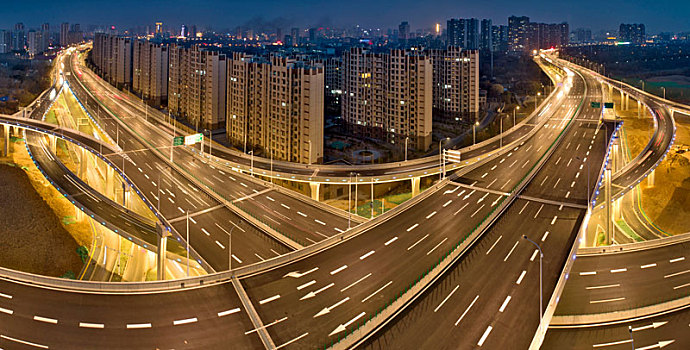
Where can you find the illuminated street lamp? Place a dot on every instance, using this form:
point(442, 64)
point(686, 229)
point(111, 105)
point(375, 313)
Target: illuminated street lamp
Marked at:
point(474, 132)
point(516, 109)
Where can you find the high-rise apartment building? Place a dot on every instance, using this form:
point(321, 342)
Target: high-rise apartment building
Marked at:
point(633, 33)
point(18, 37)
point(294, 34)
point(499, 38)
point(546, 35)
point(150, 71)
point(112, 57)
point(486, 42)
point(455, 83)
point(196, 86)
point(276, 104)
point(64, 34)
point(388, 95)
point(404, 31)
point(45, 36)
point(463, 33)
point(5, 41)
point(34, 42)
point(517, 32)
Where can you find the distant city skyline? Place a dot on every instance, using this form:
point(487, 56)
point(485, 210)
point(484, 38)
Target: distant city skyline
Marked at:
point(665, 15)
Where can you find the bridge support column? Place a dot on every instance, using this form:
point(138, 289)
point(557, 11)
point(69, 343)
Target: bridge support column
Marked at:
point(6, 150)
point(415, 185)
point(650, 179)
point(622, 100)
point(639, 109)
point(610, 91)
point(82, 164)
point(315, 187)
point(52, 140)
point(607, 198)
point(617, 208)
point(162, 248)
point(125, 194)
point(627, 101)
point(109, 185)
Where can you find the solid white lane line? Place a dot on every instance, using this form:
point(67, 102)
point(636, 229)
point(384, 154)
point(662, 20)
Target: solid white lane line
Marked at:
point(270, 299)
point(677, 259)
point(421, 239)
point(228, 312)
point(338, 270)
point(300, 287)
point(16, 340)
point(138, 325)
point(606, 300)
point(91, 325)
point(538, 211)
point(459, 210)
point(412, 227)
point(523, 208)
point(366, 255)
point(476, 211)
point(391, 240)
point(446, 299)
point(430, 215)
point(511, 251)
point(45, 319)
point(493, 245)
point(619, 270)
point(466, 310)
point(603, 287)
point(292, 341)
point(434, 248)
point(601, 345)
point(484, 336)
point(355, 282)
point(266, 325)
point(378, 290)
point(522, 275)
point(185, 321)
point(505, 303)
point(681, 286)
point(648, 266)
point(677, 274)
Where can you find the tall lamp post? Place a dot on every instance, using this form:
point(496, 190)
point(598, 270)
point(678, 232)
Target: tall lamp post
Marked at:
point(441, 159)
point(474, 132)
point(664, 88)
point(406, 139)
point(251, 162)
point(517, 108)
point(541, 256)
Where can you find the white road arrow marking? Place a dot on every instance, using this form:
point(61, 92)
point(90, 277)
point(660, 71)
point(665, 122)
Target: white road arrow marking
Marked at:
point(343, 327)
point(661, 344)
point(328, 309)
point(653, 325)
point(295, 274)
point(314, 293)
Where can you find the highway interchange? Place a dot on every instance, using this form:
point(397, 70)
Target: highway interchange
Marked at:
point(480, 301)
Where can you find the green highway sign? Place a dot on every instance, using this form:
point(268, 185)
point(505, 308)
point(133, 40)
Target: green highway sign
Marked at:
point(192, 139)
point(596, 104)
point(178, 141)
point(608, 104)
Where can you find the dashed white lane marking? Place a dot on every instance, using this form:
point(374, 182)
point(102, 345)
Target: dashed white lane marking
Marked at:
point(505, 303)
point(366, 255)
point(553, 221)
point(523, 208)
point(430, 215)
point(677, 259)
point(534, 255)
point(538, 211)
point(220, 245)
point(185, 321)
point(91, 325)
point(6, 296)
point(648, 266)
point(16, 340)
point(270, 199)
point(588, 273)
point(306, 285)
point(284, 206)
point(320, 222)
point(138, 325)
point(448, 202)
point(391, 240)
point(301, 213)
point(378, 290)
point(6, 311)
point(270, 299)
point(619, 270)
point(448, 297)
point(228, 312)
point(412, 227)
point(338, 270)
point(45, 319)
point(522, 275)
point(484, 336)
point(546, 234)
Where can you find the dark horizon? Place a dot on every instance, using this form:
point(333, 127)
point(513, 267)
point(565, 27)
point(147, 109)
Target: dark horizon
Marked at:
point(664, 16)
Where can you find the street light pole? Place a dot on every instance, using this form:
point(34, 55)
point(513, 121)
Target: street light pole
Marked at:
point(309, 151)
point(372, 198)
point(349, 201)
point(230, 248)
point(541, 256)
point(407, 138)
point(251, 162)
point(474, 132)
point(187, 238)
point(500, 139)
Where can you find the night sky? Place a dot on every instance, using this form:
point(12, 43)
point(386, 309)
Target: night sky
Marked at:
point(660, 15)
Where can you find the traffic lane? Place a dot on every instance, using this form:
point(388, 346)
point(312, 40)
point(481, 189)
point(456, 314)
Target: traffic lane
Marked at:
point(210, 235)
point(626, 280)
point(667, 331)
point(291, 219)
point(74, 320)
point(456, 312)
point(366, 269)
